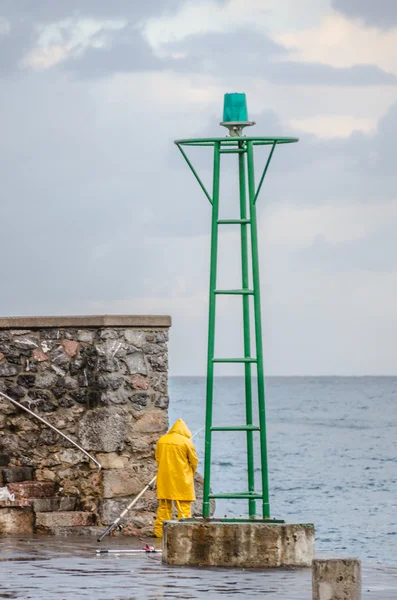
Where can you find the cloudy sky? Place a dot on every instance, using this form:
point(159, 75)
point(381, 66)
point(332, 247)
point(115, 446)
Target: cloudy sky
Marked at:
point(99, 213)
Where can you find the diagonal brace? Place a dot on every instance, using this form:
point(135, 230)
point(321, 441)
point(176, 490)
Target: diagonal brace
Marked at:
point(195, 173)
point(265, 171)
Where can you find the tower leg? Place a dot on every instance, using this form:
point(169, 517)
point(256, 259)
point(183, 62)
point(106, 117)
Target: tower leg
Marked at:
point(258, 330)
point(211, 332)
point(246, 326)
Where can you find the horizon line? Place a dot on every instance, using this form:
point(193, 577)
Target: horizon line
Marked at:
point(291, 376)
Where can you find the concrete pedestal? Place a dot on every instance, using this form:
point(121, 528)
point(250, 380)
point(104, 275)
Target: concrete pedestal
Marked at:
point(237, 544)
point(337, 579)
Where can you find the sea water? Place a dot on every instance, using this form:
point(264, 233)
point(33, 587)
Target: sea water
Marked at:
point(332, 454)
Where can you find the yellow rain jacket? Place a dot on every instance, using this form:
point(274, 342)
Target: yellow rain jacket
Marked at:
point(177, 463)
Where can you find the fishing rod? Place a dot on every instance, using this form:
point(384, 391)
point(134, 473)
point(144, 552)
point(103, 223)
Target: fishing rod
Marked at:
point(135, 500)
point(147, 549)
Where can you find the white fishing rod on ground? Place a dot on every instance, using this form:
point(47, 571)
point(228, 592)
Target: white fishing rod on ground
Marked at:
point(135, 500)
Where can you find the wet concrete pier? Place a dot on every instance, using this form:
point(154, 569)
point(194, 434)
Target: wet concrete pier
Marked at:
point(44, 568)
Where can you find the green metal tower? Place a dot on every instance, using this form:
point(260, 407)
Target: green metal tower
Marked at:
point(235, 118)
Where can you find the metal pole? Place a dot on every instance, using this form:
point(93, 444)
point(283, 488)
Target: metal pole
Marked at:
point(211, 332)
point(246, 326)
point(258, 330)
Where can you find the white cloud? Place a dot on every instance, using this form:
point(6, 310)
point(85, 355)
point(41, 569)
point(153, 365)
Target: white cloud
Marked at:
point(341, 42)
point(211, 17)
point(331, 126)
point(57, 41)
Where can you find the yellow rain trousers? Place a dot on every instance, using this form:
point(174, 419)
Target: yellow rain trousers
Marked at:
point(164, 513)
point(177, 463)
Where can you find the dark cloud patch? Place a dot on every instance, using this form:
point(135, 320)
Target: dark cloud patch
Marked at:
point(375, 252)
point(47, 11)
point(73, 221)
point(358, 168)
point(382, 13)
point(126, 48)
point(129, 52)
point(245, 52)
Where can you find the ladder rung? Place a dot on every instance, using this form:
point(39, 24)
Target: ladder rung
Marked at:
point(247, 495)
point(233, 221)
point(234, 360)
point(234, 151)
point(236, 428)
point(243, 292)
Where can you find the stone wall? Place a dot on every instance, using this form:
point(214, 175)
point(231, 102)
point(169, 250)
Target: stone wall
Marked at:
point(103, 382)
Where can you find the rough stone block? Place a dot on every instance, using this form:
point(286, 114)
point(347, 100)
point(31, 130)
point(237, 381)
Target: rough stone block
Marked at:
point(4, 460)
point(134, 337)
point(17, 474)
point(139, 525)
point(16, 520)
point(242, 545)
point(63, 519)
point(336, 579)
point(155, 421)
point(136, 363)
point(7, 370)
point(112, 460)
point(54, 504)
point(110, 509)
point(126, 482)
point(103, 430)
point(32, 489)
point(140, 382)
point(70, 347)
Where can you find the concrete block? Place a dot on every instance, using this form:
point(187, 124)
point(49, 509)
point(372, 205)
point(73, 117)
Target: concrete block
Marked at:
point(32, 489)
point(64, 519)
point(336, 579)
point(16, 520)
point(239, 544)
point(54, 504)
point(17, 474)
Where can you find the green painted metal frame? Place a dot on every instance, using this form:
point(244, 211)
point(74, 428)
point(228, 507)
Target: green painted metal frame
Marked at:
point(244, 148)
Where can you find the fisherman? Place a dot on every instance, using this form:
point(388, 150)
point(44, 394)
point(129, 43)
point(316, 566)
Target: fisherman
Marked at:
point(177, 463)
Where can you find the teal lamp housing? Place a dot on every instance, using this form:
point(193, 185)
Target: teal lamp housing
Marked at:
point(235, 114)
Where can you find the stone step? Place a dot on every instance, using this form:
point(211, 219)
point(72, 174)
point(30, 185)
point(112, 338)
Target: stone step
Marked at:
point(93, 531)
point(43, 505)
point(16, 474)
point(48, 521)
point(16, 520)
point(16, 504)
point(32, 489)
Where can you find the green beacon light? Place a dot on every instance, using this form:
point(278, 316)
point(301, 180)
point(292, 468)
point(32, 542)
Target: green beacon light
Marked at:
point(235, 114)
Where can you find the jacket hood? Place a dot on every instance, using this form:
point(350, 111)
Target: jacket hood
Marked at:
point(180, 427)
